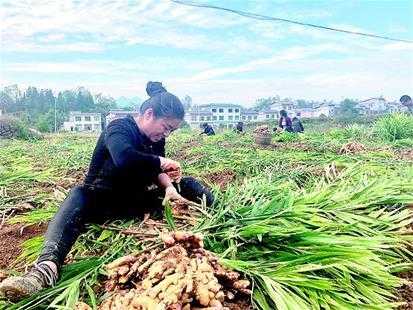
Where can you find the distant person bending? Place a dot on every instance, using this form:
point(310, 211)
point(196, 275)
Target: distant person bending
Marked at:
point(129, 158)
point(207, 129)
point(240, 127)
point(406, 100)
point(296, 124)
point(285, 122)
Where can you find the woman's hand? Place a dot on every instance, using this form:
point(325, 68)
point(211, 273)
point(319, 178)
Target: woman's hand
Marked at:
point(172, 168)
point(169, 164)
point(174, 175)
point(171, 194)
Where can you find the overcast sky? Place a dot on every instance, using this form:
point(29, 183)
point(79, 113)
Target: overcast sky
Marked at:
point(115, 47)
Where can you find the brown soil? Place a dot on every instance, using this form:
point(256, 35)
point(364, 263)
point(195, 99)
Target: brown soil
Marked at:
point(239, 305)
point(73, 177)
point(352, 148)
point(406, 292)
point(11, 238)
point(406, 154)
point(182, 155)
point(220, 178)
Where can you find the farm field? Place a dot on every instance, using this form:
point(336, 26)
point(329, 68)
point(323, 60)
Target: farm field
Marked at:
point(320, 220)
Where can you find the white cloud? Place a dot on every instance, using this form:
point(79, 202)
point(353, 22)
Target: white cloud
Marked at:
point(297, 72)
point(52, 37)
point(146, 22)
point(111, 69)
point(398, 29)
point(399, 46)
point(287, 55)
point(46, 67)
point(33, 48)
point(254, 62)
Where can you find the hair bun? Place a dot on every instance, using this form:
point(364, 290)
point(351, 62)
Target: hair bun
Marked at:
point(154, 88)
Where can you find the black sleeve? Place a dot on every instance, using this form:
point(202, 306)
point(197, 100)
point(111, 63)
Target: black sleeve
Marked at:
point(118, 140)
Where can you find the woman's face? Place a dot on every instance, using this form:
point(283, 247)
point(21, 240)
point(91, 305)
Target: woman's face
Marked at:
point(157, 128)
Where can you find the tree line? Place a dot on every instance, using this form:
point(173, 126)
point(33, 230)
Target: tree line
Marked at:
point(37, 107)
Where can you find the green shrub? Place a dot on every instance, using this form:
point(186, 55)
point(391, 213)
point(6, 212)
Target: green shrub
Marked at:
point(336, 134)
point(286, 136)
point(11, 127)
point(355, 131)
point(404, 143)
point(394, 127)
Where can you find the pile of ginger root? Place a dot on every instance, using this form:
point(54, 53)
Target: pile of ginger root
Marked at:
point(180, 276)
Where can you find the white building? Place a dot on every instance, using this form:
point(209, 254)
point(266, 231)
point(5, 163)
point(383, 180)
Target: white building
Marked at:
point(396, 106)
point(380, 105)
point(83, 122)
point(313, 112)
point(223, 115)
point(285, 105)
point(249, 115)
point(115, 114)
point(273, 112)
point(226, 115)
point(373, 106)
point(269, 115)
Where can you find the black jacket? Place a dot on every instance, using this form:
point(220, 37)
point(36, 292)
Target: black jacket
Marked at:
point(124, 159)
point(208, 130)
point(297, 125)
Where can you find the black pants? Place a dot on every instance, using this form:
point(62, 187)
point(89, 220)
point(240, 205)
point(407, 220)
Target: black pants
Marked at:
point(85, 205)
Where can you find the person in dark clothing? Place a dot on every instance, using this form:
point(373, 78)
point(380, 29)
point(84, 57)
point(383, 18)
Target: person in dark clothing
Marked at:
point(129, 158)
point(208, 130)
point(406, 100)
point(296, 124)
point(240, 127)
point(284, 121)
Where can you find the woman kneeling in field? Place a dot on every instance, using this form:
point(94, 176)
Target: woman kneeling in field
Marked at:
point(128, 159)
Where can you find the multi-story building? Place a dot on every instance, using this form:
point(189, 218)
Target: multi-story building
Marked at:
point(377, 106)
point(270, 114)
point(324, 110)
point(223, 115)
point(372, 106)
point(83, 122)
point(285, 104)
point(249, 115)
point(396, 106)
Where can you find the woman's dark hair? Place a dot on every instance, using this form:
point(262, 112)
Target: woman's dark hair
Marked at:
point(162, 103)
point(283, 113)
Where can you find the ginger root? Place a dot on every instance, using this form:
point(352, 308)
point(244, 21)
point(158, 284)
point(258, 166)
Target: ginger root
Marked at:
point(183, 276)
